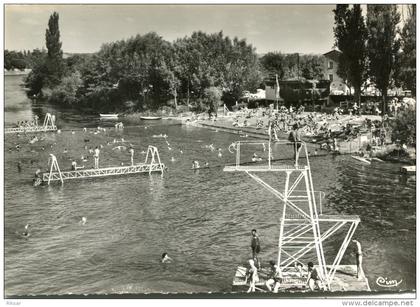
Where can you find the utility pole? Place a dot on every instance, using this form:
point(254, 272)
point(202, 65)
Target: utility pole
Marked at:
point(298, 66)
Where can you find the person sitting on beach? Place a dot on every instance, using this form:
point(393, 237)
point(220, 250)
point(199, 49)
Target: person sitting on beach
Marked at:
point(166, 258)
point(274, 278)
point(314, 278)
point(299, 268)
point(251, 276)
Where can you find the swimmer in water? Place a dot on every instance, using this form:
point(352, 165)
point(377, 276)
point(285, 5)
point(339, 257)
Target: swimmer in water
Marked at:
point(166, 258)
point(172, 159)
point(83, 221)
point(119, 148)
point(26, 232)
point(65, 150)
point(220, 153)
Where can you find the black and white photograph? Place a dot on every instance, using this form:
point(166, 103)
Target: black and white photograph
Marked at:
point(209, 151)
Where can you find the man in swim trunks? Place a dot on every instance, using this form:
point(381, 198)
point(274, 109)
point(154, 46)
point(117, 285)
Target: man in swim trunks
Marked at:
point(255, 247)
point(359, 258)
point(274, 278)
point(297, 145)
point(314, 278)
point(131, 150)
point(96, 156)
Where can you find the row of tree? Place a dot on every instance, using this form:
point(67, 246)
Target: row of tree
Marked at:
point(146, 71)
point(374, 48)
point(21, 60)
point(293, 65)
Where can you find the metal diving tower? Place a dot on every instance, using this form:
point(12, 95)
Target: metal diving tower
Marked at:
point(303, 227)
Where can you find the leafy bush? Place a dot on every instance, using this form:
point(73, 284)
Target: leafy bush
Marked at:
point(66, 91)
point(404, 127)
point(212, 96)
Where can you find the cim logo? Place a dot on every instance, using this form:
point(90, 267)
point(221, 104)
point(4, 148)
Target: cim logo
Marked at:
point(387, 283)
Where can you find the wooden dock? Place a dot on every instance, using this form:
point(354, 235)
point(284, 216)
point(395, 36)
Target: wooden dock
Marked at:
point(344, 280)
point(103, 172)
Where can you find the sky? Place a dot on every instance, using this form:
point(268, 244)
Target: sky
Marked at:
point(84, 28)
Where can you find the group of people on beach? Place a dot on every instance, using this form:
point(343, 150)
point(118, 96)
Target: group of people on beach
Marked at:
point(274, 278)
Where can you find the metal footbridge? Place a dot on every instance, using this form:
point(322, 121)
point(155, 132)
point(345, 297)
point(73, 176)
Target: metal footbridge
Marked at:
point(303, 228)
point(151, 164)
point(48, 125)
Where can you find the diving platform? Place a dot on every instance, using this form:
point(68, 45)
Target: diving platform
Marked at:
point(262, 168)
point(48, 126)
point(30, 129)
point(304, 229)
point(151, 164)
point(293, 281)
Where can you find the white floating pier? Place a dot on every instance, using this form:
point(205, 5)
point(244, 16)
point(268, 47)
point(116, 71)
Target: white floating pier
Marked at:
point(49, 125)
point(151, 164)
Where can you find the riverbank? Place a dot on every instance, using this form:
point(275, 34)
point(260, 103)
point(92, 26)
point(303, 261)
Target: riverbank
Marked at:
point(248, 128)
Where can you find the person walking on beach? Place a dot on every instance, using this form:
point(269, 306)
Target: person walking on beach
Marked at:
point(255, 247)
point(359, 258)
point(131, 150)
point(96, 156)
point(294, 137)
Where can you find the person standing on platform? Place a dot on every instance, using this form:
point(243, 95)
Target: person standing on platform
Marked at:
point(53, 120)
point(359, 258)
point(255, 247)
point(297, 143)
point(96, 156)
point(131, 150)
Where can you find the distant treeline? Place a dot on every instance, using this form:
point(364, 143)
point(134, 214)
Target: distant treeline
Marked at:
point(146, 72)
point(21, 59)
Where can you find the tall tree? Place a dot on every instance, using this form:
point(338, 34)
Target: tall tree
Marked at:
point(350, 37)
point(407, 72)
point(272, 63)
point(54, 61)
point(383, 45)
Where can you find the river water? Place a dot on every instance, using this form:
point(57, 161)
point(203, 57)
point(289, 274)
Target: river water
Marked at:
point(202, 218)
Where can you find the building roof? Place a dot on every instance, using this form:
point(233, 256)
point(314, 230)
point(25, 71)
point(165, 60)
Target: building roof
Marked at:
point(333, 54)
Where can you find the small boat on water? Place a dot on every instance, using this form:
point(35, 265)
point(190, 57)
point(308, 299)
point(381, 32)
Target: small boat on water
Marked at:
point(110, 115)
point(364, 160)
point(411, 169)
point(150, 117)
